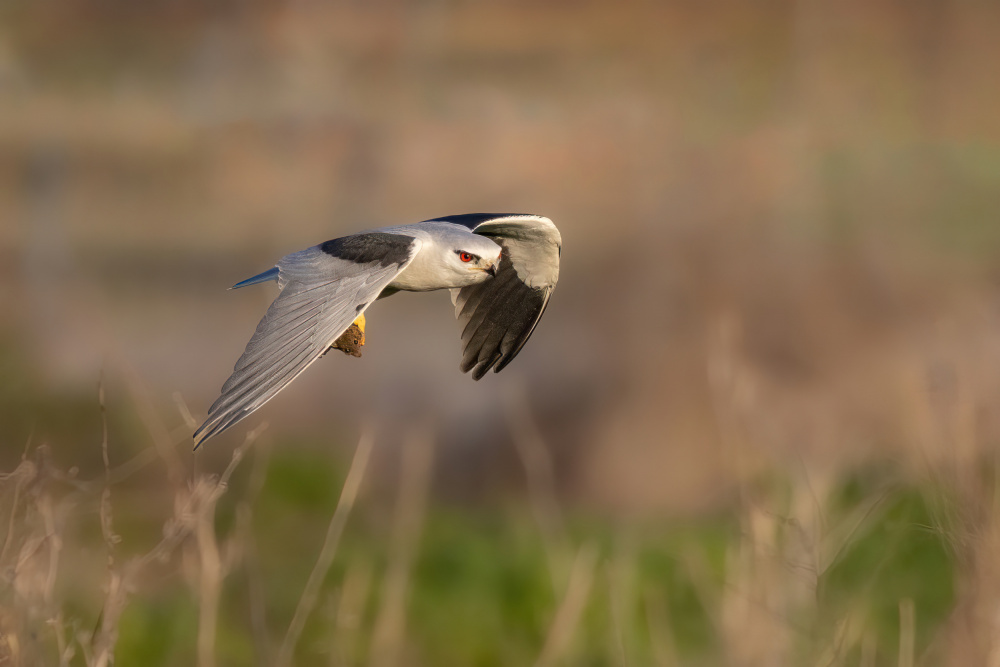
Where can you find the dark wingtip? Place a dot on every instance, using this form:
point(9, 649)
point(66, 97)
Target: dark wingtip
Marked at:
point(199, 438)
point(484, 366)
point(471, 365)
point(205, 433)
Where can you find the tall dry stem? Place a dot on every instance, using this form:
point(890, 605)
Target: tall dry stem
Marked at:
point(115, 599)
point(621, 593)
point(311, 591)
point(211, 568)
point(350, 608)
point(390, 624)
point(907, 632)
point(538, 466)
point(194, 513)
point(568, 615)
point(248, 554)
point(658, 624)
point(163, 440)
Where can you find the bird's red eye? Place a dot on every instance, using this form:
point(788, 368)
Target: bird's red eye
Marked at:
point(465, 257)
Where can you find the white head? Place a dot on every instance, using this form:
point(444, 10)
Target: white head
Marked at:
point(451, 257)
point(467, 259)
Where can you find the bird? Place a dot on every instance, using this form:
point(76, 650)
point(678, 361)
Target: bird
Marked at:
point(501, 269)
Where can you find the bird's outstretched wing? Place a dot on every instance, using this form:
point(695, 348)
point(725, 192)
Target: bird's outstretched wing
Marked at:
point(498, 316)
point(323, 290)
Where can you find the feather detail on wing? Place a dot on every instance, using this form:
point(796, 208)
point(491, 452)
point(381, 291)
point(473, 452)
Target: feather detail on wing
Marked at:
point(498, 316)
point(322, 293)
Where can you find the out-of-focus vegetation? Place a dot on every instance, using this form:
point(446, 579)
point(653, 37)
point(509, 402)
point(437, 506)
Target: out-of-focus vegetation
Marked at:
point(757, 425)
point(863, 570)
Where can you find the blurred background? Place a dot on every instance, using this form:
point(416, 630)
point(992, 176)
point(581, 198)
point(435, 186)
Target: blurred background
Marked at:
point(756, 425)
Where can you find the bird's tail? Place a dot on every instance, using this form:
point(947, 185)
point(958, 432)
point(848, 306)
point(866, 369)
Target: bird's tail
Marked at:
point(270, 274)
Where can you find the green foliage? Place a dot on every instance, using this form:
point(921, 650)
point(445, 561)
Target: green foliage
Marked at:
point(485, 583)
point(481, 591)
point(159, 630)
point(479, 579)
point(897, 554)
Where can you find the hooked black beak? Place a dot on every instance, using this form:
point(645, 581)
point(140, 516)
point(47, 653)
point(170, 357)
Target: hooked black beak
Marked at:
point(492, 270)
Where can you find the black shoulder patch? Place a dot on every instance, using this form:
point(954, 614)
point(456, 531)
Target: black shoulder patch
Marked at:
point(471, 220)
point(387, 249)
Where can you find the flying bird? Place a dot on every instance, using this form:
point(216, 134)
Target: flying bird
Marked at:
point(501, 269)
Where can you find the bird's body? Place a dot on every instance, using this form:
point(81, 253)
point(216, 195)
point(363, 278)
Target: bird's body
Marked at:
point(501, 269)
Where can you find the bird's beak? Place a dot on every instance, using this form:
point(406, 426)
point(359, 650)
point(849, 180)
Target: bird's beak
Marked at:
point(492, 270)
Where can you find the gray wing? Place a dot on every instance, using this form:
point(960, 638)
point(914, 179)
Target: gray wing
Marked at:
point(323, 290)
point(498, 316)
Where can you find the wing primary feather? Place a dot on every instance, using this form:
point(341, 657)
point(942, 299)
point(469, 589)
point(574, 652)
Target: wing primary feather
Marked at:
point(489, 352)
point(505, 318)
point(493, 296)
point(490, 310)
point(467, 300)
point(483, 367)
point(523, 338)
point(500, 325)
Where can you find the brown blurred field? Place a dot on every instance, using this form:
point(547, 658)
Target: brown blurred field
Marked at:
point(774, 349)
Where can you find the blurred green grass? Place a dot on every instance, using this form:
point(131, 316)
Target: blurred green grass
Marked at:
point(486, 581)
point(481, 592)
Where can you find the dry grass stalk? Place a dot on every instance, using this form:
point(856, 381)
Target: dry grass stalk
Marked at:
point(769, 600)
point(944, 419)
point(618, 652)
point(538, 467)
point(29, 562)
point(351, 604)
point(164, 441)
point(212, 570)
point(907, 632)
point(194, 514)
point(390, 624)
point(311, 591)
point(770, 595)
point(869, 650)
point(661, 636)
point(148, 455)
point(245, 542)
point(25, 472)
point(848, 634)
point(104, 641)
point(210, 582)
point(570, 609)
point(621, 593)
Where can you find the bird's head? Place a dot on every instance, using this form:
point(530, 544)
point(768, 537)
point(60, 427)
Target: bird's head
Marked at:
point(473, 259)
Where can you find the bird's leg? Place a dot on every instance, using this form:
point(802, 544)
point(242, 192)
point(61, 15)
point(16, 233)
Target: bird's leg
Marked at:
point(352, 340)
